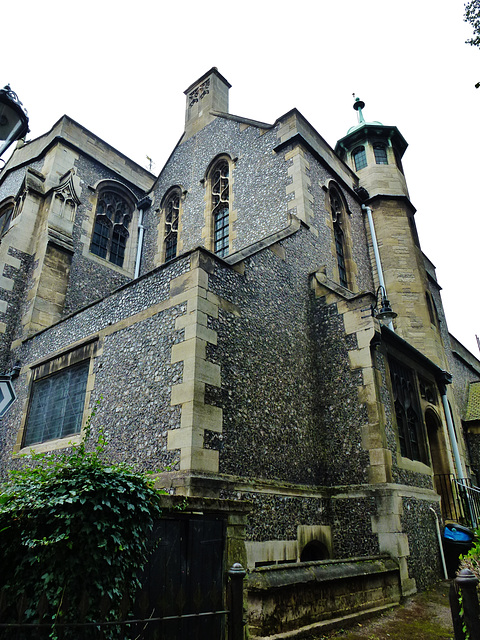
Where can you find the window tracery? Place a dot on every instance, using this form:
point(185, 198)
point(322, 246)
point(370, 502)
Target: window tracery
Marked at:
point(110, 233)
point(407, 412)
point(220, 190)
point(6, 215)
point(172, 215)
point(337, 210)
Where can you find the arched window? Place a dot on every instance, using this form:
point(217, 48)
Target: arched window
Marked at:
point(407, 412)
point(6, 213)
point(110, 232)
point(172, 214)
point(220, 193)
point(432, 309)
point(337, 208)
point(398, 159)
point(360, 158)
point(380, 151)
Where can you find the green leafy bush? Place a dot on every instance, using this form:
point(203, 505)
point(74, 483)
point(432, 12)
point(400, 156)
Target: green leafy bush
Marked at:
point(74, 534)
point(471, 560)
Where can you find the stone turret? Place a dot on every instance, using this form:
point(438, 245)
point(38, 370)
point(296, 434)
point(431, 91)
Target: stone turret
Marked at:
point(375, 152)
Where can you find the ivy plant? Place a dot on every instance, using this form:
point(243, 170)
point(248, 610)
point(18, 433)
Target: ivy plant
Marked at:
point(471, 560)
point(74, 535)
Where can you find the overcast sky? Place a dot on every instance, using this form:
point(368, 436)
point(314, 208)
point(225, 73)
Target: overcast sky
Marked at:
point(121, 73)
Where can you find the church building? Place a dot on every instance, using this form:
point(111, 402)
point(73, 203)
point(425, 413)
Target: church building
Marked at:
point(259, 326)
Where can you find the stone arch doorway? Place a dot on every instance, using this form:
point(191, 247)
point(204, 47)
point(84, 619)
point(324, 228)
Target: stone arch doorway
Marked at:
point(440, 463)
point(437, 444)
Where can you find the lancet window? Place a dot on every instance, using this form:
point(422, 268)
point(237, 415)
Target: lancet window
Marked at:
point(220, 191)
point(172, 214)
point(6, 214)
point(337, 209)
point(407, 412)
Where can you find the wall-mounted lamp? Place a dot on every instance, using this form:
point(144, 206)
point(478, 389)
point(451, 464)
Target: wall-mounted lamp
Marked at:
point(13, 118)
point(382, 309)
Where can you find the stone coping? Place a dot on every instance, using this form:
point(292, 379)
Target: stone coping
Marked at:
point(278, 576)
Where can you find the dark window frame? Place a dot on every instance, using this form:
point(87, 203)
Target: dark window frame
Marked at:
point(398, 159)
point(359, 156)
point(83, 353)
point(6, 217)
point(114, 212)
point(220, 194)
point(380, 153)
point(408, 410)
point(338, 216)
point(172, 217)
point(57, 404)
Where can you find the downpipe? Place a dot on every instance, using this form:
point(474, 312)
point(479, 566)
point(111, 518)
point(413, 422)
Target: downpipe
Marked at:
point(440, 543)
point(142, 205)
point(141, 231)
point(376, 253)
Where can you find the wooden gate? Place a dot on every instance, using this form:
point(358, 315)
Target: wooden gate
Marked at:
point(185, 577)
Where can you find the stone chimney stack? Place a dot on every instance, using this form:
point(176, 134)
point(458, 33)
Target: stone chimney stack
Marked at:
point(209, 93)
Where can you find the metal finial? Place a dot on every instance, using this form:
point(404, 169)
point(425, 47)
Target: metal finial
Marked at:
point(358, 105)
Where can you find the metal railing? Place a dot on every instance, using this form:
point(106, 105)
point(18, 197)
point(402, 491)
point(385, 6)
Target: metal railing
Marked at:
point(175, 627)
point(460, 499)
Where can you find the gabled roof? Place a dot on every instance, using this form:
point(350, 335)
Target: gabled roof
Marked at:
point(71, 133)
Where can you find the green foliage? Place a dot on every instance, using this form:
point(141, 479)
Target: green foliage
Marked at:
point(471, 560)
point(472, 16)
point(74, 534)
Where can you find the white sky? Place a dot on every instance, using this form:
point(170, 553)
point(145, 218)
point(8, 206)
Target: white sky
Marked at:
point(121, 73)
